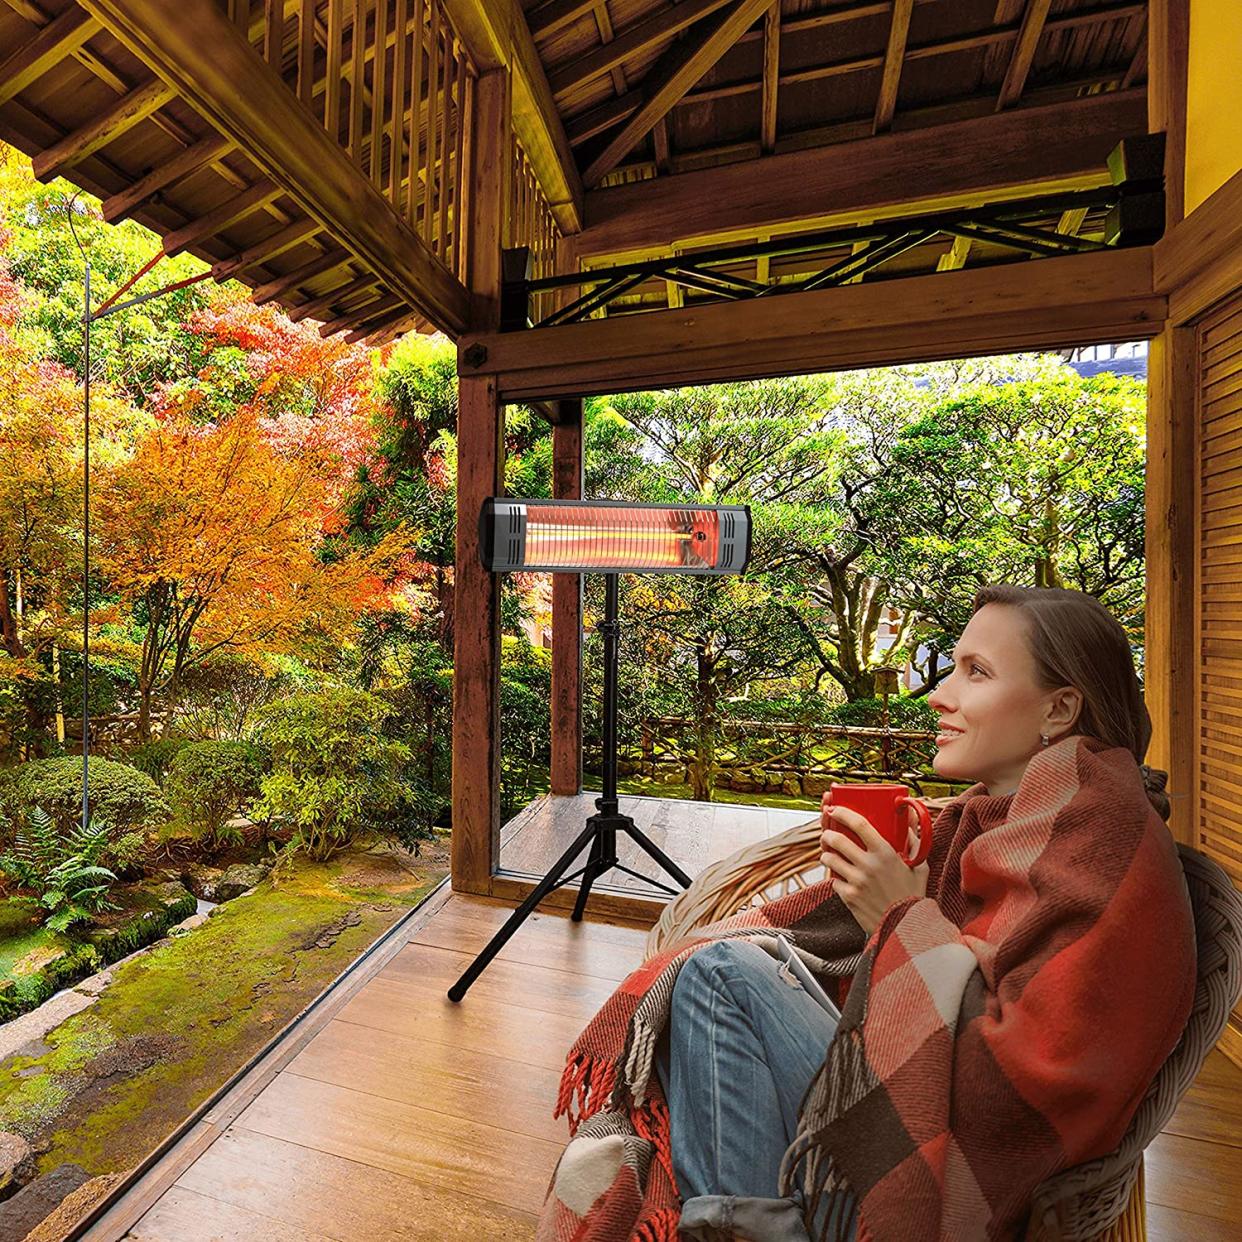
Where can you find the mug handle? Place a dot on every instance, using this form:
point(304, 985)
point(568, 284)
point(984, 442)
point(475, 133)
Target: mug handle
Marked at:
point(925, 830)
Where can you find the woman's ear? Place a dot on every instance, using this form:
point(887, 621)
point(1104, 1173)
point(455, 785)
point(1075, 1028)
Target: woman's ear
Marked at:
point(1064, 709)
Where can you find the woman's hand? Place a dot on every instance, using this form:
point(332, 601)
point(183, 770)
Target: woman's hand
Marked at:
point(869, 880)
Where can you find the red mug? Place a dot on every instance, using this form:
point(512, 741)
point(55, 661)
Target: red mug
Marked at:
point(885, 807)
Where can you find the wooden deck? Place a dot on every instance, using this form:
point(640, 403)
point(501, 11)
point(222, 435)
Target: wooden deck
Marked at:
point(693, 834)
point(400, 1115)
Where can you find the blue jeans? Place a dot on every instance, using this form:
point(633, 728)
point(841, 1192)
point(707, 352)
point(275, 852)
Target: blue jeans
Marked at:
point(742, 1046)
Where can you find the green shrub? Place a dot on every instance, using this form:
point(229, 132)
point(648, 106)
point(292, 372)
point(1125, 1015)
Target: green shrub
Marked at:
point(154, 757)
point(123, 798)
point(210, 782)
point(334, 772)
point(904, 713)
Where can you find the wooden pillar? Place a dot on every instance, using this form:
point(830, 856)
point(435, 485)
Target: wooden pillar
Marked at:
point(1171, 665)
point(567, 614)
point(480, 474)
point(1168, 43)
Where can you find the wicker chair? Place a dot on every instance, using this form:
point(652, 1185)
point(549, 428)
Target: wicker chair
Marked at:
point(1101, 1200)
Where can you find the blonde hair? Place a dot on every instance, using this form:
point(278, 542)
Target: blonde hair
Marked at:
point(1077, 642)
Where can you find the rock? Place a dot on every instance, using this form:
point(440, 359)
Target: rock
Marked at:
point(195, 920)
point(793, 786)
point(237, 879)
point(57, 1226)
point(169, 894)
point(816, 786)
point(39, 1199)
point(37, 1023)
point(17, 1163)
point(201, 880)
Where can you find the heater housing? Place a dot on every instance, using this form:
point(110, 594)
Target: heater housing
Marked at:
point(613, 536)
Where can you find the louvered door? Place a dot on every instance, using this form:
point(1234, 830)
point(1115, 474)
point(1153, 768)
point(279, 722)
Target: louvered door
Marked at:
point(1220, 585)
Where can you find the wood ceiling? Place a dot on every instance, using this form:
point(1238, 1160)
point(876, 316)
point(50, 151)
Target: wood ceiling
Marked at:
point(346, 206)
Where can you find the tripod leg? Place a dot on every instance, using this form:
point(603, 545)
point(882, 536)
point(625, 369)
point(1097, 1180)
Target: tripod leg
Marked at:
point(592, 873)
point(515, 920)
point(658, 854)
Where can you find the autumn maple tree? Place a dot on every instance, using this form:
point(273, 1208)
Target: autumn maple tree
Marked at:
point(211, 535)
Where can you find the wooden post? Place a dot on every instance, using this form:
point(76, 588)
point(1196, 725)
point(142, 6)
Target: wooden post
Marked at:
point(1171, 668)
point(567, 614)
point(480, 474)
point(1168, 42)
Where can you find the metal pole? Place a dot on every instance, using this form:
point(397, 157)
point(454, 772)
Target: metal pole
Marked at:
point(86, 551)
point(610, 628)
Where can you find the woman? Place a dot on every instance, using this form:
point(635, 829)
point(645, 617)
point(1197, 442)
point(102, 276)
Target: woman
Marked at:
point(1011, 999)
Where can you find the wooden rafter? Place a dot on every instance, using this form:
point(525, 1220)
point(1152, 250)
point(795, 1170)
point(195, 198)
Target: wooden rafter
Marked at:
point(955, 257)
point(329, 261)
point(119, 119)
point(603, 23)
point(316, 307)
point(652, 31)
point(267, 249)
point(680, 67)
point(894, 58)
point(549, 16)
point(771, 77)
point(243, 98)
point(205, 151)
point(59, 38)
point(1033, 21)
point(216, 221)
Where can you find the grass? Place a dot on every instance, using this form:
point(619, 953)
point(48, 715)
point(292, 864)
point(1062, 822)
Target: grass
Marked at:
point(109, 1083)
point(23, 941)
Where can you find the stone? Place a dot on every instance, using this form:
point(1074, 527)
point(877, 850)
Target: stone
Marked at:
point(186, 925)
point(35, 1024)
point(815, 786)
point(201, 880)
point(59, 1224)
point(38, 1199)
point(237, 879)
point(793, 786)
point(17, 1163)
point(169, 894)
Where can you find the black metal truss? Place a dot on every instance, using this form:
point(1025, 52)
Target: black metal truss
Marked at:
point(1134, 209)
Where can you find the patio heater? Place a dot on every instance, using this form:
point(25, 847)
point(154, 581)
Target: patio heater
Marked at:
point(609, 538)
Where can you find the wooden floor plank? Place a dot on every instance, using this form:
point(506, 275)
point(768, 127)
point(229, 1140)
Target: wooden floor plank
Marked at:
point(455, 1155)
point(444, 1077)
point(1166, 1224)
point(315, 1194)
point(1193, 1174)
point(186, 1216)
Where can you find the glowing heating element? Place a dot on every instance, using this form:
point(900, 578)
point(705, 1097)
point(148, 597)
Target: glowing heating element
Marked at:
point(613, 537)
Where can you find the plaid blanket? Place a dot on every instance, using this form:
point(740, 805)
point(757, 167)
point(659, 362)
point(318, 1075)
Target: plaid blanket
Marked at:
point(999, 1030)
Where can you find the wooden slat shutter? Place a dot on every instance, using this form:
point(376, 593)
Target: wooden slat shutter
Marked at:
point(1220, 586)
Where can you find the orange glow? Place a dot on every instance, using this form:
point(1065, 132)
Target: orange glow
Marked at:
point(607, 535)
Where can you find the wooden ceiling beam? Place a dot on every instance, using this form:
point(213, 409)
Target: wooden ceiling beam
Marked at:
point(329, 261)
point(652, 31)
point(372, 316)
point(317, 307)
point(61, 37)
point(771, 77)
point(603, 117)
point(229, 212)
point(495, 33)
point(119, 119)
point(1043, 304)
point(549, 16)
point(674, 74)
point(1033, 21)
point(894, 58)
point(242, 97)
point(938, 47)
point(1060, 145)
point(205, 151)
point(267, 249)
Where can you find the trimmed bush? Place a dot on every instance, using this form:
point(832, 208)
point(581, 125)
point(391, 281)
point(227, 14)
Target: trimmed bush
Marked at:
point(123, 798)
point(904, 713)
point(209, 783)
point(334, 772)
point(154, 757)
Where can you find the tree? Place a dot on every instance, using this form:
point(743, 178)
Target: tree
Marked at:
point(212, 537)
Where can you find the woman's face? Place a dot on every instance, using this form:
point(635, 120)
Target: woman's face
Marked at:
point(991, 708)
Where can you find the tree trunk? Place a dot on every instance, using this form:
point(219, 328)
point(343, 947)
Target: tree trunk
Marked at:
point(706, 724)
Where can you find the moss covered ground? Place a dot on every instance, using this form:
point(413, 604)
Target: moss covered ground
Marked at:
point(24, 942)
point(104, 1087)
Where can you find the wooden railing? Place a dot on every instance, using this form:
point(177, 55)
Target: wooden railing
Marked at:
point(533, 226)
point(392, 82)
point(775, 756)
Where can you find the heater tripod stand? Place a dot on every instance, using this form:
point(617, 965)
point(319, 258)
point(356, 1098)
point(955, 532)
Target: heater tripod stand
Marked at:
point(601, 828)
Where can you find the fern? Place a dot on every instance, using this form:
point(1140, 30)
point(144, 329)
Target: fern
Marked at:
point(65, 869)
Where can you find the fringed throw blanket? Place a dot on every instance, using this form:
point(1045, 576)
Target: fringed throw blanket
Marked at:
point(999, 1030)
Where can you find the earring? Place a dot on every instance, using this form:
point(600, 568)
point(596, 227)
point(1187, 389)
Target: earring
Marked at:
point(1044, 739)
